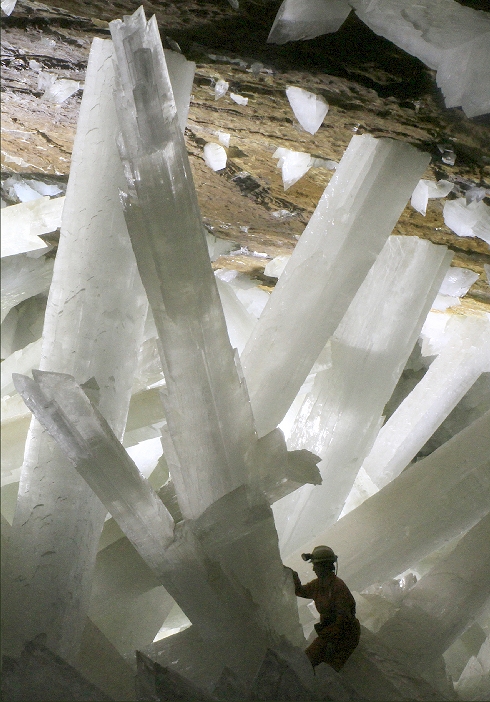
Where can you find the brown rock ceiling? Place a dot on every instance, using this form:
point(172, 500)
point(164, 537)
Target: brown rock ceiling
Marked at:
point(370, 85)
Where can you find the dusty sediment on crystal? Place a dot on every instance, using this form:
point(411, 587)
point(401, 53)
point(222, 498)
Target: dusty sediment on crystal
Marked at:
point(340, 417)
point(92, 329)
point(343, 237)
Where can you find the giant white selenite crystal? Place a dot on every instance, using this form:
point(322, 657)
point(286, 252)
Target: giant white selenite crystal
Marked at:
point(341, 415)
point(211, 442)
point(348, 229)
point(465, 357)
point(438, 608)
point(432, 502)
point(93, 329)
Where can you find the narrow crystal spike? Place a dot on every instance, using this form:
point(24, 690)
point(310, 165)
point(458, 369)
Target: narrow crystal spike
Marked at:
point(399, 525)
point(348, 229)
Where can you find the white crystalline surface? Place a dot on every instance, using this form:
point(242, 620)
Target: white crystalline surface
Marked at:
point(323, 351)
point(220, 88)
point(22, 277)
point(23, 224)
point(453, 39)
point(60, 90)
point(471, 219)
point(293, 164)
point(306, 19)
point(224, 138)
point(275, 267)
point(309, 109)
point(465, 356)
point(239, 99)
point(457, 281)
point(215, 156)
point(449, 596)
point(435, 500)
point(8, 6)
point(326, 269)
point(428, 189)
point(92, 330)
point(341, 415)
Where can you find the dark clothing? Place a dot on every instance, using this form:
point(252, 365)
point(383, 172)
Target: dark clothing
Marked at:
point(338, 630)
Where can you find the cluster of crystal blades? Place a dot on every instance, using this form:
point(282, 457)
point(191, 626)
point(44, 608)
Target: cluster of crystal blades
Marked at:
point(350, 292)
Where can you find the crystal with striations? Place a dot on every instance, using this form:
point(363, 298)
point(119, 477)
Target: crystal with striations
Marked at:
point(341, 415)
point(348, 229)
point(92, 329)
point(465, 357)
point(435, 500)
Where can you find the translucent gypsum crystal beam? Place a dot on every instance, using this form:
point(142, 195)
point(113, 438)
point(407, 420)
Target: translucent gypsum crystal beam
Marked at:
point(438, 609)
point(93, 327)
point(207, 547)
point(430, 503)
point(206, 404)
point(83, 434)
point(86, 438)
point(340, 417)
point(449, 377)
point(348, 229)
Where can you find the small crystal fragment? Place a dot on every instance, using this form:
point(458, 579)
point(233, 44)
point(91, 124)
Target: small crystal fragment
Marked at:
point(309, 109)
point(215, 156)
point(275, 267)
point(293, 164)
point(468, 220)
point(239, 99)
point(426, 189)
point(220, 88)
point(23, 224)
point(8, 6)
point(60, 90)
point(457, 281)
point(224, 138)
point(306, 19)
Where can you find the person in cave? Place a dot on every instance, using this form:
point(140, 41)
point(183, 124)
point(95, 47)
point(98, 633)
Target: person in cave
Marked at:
point(338, 629)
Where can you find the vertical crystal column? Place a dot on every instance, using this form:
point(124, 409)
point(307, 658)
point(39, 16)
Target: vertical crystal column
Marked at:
point(207, 408)
point(206, 405)
point(465, 357)
point(340, 417)
point(444, 602)
point(93, 329)
point(348, 229)
point(432, 502)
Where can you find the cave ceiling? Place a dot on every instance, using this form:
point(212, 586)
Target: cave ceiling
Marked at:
point(371, 87)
